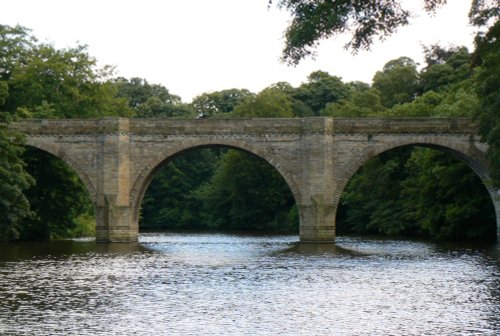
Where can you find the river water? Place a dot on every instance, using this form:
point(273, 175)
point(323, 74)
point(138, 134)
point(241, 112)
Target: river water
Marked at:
point(221, 284)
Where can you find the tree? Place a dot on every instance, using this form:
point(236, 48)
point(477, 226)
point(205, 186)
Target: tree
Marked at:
point(14, 179)
point(169, 202)
point(15, 45)
point(57, 198)
point(43, 81)
point(313, 21)
point(138, 91)
point(487, 58)
point(268, 103)
point(246, 193)
point(445, 198)
point(154, 107)
point(320, 89)
point(299, 108)
point(219, 103)
point(417, 191)
point(371, 199)
point(67, 80)
point(445, 68)
point(363, 101)
point(150, 100)
point(397, 82)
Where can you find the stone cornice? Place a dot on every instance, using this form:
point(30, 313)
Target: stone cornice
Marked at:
point(244, 127)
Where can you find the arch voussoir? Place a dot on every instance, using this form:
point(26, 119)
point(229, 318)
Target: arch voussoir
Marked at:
point(144, 177)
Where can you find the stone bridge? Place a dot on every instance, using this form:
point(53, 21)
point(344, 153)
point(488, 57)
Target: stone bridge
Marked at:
point(116, 158)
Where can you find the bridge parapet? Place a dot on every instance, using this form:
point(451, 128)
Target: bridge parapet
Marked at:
point(171, 126)
point(71, 127)
point(404, 126)
point(255, 126)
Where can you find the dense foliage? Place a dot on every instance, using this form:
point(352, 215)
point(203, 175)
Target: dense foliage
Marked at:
point(150, 100)
point(169, 202)
point(420, 192)
point(38, 80)
point(57, 199)
point(14, 179)
point(487, 57)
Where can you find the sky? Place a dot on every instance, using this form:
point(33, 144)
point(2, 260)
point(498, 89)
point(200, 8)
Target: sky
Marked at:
point(197, 46)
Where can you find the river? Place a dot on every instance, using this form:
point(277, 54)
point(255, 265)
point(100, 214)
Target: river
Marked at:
point(224, 284)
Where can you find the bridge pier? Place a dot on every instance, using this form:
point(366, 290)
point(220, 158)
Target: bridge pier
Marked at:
point(317, 223)
point(495, 196)
point(317, 207)
point(114, 219)
point(113, 224)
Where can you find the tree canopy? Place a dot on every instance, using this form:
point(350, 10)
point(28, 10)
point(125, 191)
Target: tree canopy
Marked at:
point(14, 180)
point(219, 103)
point(366, 20)
point(38, 80)
point(150, 100)
point(487, 57)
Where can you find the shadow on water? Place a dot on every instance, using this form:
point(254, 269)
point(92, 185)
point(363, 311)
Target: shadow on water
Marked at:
point(320, 249)
point(61, 249)
point(488, 249)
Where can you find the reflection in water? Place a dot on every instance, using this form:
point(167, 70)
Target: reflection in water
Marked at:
point(62, 249)
point(215, 284)
point(323, 249)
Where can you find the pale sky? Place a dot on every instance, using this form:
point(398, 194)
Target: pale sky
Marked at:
point(197, 46)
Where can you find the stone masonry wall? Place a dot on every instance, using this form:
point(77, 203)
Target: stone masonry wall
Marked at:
point(116, 158)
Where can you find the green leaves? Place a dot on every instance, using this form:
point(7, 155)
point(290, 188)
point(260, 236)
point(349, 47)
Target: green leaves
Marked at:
point(14, 179)
point(67, 79)
point(15, 45)
point(170, 201)
point(218, 189)
point(321, 89)
point(219, 103)
point(150, 100)
point(487, 56)
point(57, 198)
point(366, 20)
point(268, 103)
point(398, 82)
point(246, 193)
point(418, 191)
point(316, 20)
point(38, 80)
point(445, 197)
point(372, 196)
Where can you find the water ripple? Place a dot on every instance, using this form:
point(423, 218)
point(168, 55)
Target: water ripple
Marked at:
point(201, 284)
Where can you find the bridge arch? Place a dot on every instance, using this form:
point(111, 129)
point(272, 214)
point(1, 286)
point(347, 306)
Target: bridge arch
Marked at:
point(469, 154)
point(62, 155)
point(145, 176)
